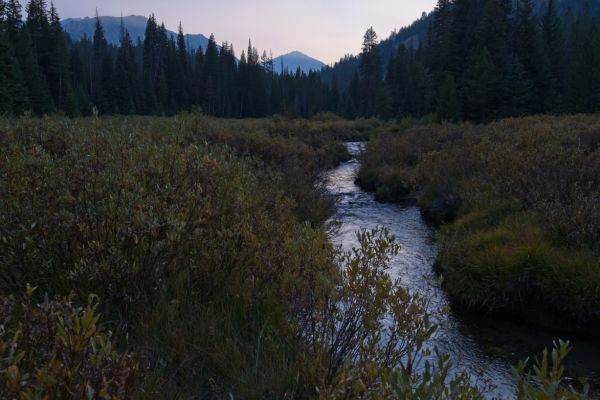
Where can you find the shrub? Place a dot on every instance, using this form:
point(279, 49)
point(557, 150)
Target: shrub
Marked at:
point(519, 198)
point(57, 350)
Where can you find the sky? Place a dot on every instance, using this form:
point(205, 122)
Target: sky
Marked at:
point(323, 29)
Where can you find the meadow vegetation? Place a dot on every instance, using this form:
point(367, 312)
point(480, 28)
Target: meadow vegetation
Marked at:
point(185, 258)
point(518, 200)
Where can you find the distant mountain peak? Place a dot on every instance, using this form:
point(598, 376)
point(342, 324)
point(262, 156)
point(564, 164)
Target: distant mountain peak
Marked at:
point(296, 59)
point(296, 53)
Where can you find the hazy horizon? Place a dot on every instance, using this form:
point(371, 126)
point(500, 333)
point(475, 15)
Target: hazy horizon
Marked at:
point(325, 30)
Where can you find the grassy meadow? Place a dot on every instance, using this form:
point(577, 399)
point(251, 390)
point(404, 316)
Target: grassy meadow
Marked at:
point(185, 258)
point(518, 201)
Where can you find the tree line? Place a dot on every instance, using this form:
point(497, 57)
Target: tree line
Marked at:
point(485, 60)
point(42, 71)
point(481, 60)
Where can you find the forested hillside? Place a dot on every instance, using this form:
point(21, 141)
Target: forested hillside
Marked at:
point(571, 7)
point(42, 72)
point(468, 60)
point(411, 36)
point(483, 61)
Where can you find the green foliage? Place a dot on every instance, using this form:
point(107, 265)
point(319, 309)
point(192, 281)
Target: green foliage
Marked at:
point(519, 198)
point(57, 350)
point(194, 233)
point(547, 379)
point(192, 223)
point(448, 100)
point(482, 84)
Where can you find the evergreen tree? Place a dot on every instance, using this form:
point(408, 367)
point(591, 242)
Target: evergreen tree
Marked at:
point(102, 90)
point(13, 19)
point(418, 91)
point(38, 27)
point(518, 98)
point(530, 51)
point(2, 14)
point(482, 88)
point(440, 39)
point(57, 73)
point(448, 106)
point(352, 99)
point(554, 42)
point(13, 96)
point(210, 69)
point(182, 67)
point(398, 80)
point(197, 80)
point(493, 31)
point(370, 76)
point(583, 81)
point(151, 69)
point(80, 78)
point(126, 82)
point(38, 93)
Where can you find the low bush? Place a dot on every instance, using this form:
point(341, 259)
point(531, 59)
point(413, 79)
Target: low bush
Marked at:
point(56, 350)
point(519, 200)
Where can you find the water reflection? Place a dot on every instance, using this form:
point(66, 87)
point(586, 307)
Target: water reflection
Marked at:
point(483, 346)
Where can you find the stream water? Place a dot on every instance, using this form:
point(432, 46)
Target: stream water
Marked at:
point(485, 347)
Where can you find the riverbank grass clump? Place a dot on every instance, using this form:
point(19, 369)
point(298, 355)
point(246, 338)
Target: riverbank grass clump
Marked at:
point(518, 204)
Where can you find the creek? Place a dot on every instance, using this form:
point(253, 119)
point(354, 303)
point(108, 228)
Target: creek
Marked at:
point(484, 346)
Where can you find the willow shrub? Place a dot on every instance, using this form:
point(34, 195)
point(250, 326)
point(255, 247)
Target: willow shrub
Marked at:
point(56, 350)
point(211, 277)
point(520, 201)
point(190, 245)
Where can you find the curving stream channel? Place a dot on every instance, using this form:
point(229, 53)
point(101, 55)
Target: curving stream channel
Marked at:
point(485, 347)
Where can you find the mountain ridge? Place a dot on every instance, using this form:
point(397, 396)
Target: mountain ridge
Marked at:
point(78, 28)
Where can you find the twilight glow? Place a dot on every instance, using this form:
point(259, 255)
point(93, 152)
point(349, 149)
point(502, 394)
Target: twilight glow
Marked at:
point(324, 29)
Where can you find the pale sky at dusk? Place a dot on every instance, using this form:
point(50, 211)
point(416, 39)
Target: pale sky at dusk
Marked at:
point(324, 29)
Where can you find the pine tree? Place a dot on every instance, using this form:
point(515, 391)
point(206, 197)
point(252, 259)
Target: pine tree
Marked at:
point(518, 98)
point(210, 69)
point(482, 88)
point(352, 98)
point(583, 80)
point(493, 31)
point(2, 14)
point(57, 73)
point(37, 88)
point(13, 96)
point(530, 51)
point(439, 43)
point(80, 77)
point(418, 91)
point(448, 108)
point(182, 70)
point(150, 66)
point(399, 79)
point(13, 19)
point(370, 76)
point(126, 82)
point(554, 42)
point(198, 82)
point(38, 28)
